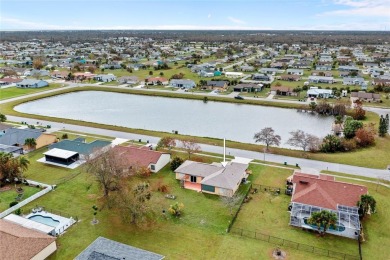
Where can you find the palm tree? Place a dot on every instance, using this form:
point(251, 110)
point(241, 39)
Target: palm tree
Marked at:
point(30, 142)
point(11, 168)
point(323, 220)
point(367, 204)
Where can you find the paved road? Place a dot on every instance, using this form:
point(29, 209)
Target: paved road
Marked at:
point(303, 163)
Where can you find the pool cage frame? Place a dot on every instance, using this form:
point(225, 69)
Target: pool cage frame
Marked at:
point(347, 216)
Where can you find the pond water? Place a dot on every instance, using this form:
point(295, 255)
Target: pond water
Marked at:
point(236, 122)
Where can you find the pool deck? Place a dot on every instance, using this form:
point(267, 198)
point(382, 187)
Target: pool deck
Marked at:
point(64, 224)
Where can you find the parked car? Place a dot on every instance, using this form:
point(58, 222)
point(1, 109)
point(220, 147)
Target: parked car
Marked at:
point(238, 97)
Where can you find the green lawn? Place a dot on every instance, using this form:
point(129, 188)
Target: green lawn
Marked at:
point(198, 234)
point(6, 93)
point(6, 197)
point(267, 213)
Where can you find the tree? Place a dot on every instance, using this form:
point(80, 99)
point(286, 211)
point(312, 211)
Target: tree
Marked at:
point(365, 136)
point(175, 163)
point(351, 126)
point(359, 113)
point(231, 202)
point(323, 220)
point(150, 73)
point(302, 140)
point(11, 167)
point(331, 144)
point(108, 170)
point(367, 205)
point(268, 137)
point(37, 63)
point(190, 146)
point(166, 142)
point(312, 106)
point(3, 118)
point(383, 126)
point(134, 202)
point(323, 108)
point(30, 143)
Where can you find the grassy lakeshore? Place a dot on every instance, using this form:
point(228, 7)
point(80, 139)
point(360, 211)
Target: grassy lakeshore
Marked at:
point(373, 157)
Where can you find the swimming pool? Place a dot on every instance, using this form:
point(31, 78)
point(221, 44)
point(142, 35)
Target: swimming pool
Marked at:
point(45, 220)
point(59, 223)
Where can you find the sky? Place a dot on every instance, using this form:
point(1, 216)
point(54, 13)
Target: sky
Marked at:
point(195, 14)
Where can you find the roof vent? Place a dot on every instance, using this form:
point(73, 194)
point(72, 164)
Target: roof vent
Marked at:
point(304, 182)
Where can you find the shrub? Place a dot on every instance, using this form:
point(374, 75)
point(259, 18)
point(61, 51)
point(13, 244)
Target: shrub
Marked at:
point(175, 163)
point(162, 188)
point(176, 209)
point(13, 203)
point(331, 144)
point(348, 144)
point(18, 211)
point(365, 137)
point(64, 136)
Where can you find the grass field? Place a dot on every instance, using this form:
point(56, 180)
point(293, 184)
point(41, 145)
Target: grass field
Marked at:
point(6, 93)
point(6, 197)
point(203, 223)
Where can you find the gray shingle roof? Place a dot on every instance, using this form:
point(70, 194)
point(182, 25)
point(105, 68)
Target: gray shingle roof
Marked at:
point(106, 249)
point(18, 136)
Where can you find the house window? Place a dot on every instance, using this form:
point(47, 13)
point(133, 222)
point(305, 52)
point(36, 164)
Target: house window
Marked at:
point(152, 167)
point(193, 178)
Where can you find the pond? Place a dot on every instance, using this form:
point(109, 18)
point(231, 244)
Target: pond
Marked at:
point(237, 122)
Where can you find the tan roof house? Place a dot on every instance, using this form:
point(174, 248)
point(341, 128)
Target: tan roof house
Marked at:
point(17, 242)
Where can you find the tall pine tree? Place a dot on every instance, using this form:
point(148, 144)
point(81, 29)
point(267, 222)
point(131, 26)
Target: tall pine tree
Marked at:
point(383, 125)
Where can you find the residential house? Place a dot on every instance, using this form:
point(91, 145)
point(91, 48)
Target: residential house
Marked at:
point(32, 83)
point(270, 71)
point(294, 72)
point(348, 68)
point(319, 93)
point(212, 178)
point(324, 67)
point(78, 146)
point(261, 77)
point(220, 85)
point(207, 73)
point(234, 74)
point(156, 81)
point(17, 137)
point(364, 96)
point(3, 128)
point(301, 65)
point(322, 73)
point(128, 80)
point(321, 79)
point(182, 83)
point(107, 249)
point(248, 87)
point(104, 77)
point(247, 68)
point(290, 77)
point(34, 72)
point(22, 243)
point(353, 81)
point(133, 156)
point(313, 193)
point(9, 81)
point(59, 74)
point(381, 82)
point(283, 91)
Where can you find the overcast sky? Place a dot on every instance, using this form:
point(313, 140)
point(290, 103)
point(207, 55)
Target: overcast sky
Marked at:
point(196, 14)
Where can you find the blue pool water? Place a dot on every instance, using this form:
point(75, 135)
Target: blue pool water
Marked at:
point(45, 220)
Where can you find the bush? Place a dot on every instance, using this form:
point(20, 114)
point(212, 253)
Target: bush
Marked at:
point(348, 144)
point(13, 203)
point(175, 163)
point(64, 136)
point(365, 137)
point(331, 144)
point(162, 188)
point(176, 209)
point(18, 211)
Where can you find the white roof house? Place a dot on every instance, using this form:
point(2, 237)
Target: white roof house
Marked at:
point(323, 93)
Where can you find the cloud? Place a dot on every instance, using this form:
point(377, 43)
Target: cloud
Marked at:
point(235, 20)
point(343, 27)
point(360, 8)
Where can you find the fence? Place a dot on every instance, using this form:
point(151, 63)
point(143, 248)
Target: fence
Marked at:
point(288, 243)
point(238, 210)
point(28, 200)
point(54, 211)
point(67, 178)
point(261, 188)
